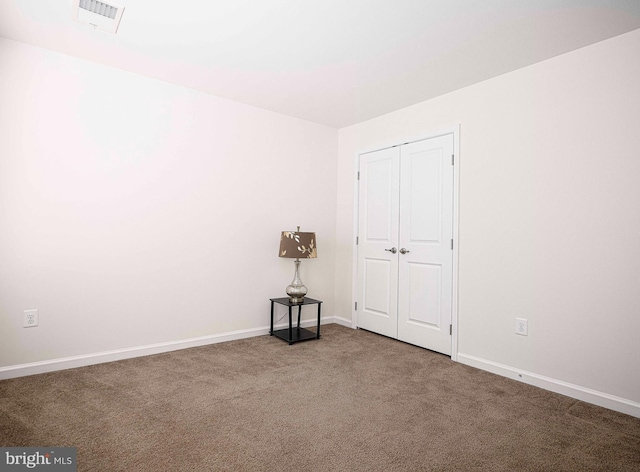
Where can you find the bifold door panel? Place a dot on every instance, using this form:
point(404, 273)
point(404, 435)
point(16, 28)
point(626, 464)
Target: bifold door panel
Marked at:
point(377, 264)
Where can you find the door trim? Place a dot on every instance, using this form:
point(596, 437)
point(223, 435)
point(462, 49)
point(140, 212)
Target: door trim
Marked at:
point(455, 130)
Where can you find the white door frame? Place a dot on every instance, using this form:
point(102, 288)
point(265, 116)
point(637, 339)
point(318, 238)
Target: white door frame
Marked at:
point(455, 130)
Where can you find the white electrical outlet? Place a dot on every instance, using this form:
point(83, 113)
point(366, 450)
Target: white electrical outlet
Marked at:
point(522, 326)
point(30, 318)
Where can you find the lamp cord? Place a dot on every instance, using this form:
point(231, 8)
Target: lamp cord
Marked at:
point(280, 319)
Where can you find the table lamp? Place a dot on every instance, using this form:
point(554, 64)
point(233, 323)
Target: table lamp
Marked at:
point(296, 245)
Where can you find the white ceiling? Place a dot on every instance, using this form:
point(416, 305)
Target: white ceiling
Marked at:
point(336, 62)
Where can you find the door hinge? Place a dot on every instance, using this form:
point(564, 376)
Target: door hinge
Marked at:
point(356, 305)
point(450, 330)
point(452, 244)
point(358, 175)
point(452, 160)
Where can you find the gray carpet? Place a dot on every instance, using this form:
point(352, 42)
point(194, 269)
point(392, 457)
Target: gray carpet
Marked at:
point(351, 401)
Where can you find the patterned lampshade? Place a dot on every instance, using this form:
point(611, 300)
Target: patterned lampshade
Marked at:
point(297, 245)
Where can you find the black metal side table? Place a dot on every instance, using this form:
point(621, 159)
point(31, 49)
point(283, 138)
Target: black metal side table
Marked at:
point(294, 335)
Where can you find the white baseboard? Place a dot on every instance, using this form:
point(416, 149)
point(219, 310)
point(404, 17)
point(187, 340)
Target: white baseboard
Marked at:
point(342, 321)
point(63, 363)
point(588, 395)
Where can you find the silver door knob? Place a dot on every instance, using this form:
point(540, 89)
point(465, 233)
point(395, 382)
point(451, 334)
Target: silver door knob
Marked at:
point(393, 250)
point(404, 251)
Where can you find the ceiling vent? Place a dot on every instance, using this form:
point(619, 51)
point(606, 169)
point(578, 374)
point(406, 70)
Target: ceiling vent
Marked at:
point(100, 15)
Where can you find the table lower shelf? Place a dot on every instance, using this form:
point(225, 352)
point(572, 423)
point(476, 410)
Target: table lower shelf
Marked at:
point(297, 334)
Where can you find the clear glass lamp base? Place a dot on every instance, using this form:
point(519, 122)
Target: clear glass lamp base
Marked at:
point(296, 290)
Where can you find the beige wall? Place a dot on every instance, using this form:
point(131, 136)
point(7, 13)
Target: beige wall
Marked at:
point(135, 212)
point(549, 215)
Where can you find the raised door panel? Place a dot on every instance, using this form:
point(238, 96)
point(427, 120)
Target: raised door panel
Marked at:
point(378, 223)
point(425, 232)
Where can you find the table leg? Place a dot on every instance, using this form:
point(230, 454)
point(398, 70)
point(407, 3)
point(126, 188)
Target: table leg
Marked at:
point(290, 330)
point(318, 330)
point(299, 310)
point(271, 329)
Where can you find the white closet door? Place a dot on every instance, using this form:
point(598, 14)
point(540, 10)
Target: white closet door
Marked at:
point(405, 256)
point(378, 233)
point(425, 270)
